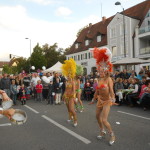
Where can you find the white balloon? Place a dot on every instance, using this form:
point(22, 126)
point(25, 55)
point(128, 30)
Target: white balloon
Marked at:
point(43, 67)
point(33, 68)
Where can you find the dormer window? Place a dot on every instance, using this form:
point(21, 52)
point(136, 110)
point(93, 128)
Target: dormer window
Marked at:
point(76, 45)
point(99, 38)
point(86, 42)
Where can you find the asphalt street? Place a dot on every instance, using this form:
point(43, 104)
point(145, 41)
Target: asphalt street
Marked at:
point(47, 129)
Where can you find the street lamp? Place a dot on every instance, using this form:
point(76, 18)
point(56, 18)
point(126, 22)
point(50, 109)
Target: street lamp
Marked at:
point(30, 54)
point(118, 3)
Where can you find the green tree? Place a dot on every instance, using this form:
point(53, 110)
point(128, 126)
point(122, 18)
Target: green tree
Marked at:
point(7, 69)
point(38, 58)
point(52, 54)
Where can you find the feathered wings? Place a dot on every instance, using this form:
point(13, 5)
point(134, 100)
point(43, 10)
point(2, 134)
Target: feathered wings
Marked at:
point(69, 68)
point(79, 70)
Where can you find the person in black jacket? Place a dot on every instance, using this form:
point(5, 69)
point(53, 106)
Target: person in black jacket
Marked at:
point(58, 91)
point(51, 93)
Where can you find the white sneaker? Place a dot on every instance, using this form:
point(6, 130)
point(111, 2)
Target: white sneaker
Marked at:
point(68, 120)
point(75, 124)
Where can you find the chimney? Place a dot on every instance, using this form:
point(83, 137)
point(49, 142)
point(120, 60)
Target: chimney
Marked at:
point(103, 19)
point(90, 24)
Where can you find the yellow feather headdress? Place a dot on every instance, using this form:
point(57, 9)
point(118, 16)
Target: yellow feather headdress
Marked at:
point(69, 68)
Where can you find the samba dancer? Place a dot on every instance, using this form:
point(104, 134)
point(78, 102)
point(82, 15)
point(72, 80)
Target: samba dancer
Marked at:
point(79, 72)
point(69, 70)
point(104, 92)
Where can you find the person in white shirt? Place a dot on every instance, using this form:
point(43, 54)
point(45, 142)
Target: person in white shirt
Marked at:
point(34, 80)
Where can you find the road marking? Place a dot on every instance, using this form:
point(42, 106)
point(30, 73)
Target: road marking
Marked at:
point(31, 109)
point(6, 124)
point(84, 140)
point(134, 115)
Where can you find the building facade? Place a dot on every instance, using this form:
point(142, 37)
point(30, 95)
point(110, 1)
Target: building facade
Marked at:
point(126, 34)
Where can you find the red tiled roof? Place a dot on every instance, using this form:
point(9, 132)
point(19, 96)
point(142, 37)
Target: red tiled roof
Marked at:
point(138, 11)
point(3, 63)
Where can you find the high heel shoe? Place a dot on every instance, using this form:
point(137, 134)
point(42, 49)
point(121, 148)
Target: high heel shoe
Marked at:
point(112, 139)
point(102, 134)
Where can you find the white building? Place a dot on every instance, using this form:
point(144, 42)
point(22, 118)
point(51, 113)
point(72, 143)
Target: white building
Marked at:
point(110, 33)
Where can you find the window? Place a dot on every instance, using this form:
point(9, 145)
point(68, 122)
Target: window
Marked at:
point(121, 29)
point(99, 38)
point(114, 51)
point(74, 57)
point(89, 55)
point(112, 32)
point(86, 42)
point(85, 55)
point(81, 56)
point(76, 45)
point(78, 57)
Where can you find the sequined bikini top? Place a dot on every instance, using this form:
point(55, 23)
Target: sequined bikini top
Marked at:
point(102, 86)
point(69, 85)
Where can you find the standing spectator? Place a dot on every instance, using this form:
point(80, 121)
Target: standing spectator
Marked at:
point(57, 91)
point(45, 81)
point(124, 74)
point(5, 84)
point(140, 75)
point(26, 80)
point(34, 80)
point(51, 93)
point(39, 88)
point(117, 74)
point(14, 91)
point(22, 94)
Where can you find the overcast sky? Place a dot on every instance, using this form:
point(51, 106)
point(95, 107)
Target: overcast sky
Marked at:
point(49, 21)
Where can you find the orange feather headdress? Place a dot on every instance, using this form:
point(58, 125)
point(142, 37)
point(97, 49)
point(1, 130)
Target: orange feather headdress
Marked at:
point(103, 58)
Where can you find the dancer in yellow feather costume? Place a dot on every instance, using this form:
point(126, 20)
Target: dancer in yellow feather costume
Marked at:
point(69, 71)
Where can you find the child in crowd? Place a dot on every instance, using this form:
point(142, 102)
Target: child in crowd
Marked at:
point(13, 90)
point(22, 93)
point(39, 88)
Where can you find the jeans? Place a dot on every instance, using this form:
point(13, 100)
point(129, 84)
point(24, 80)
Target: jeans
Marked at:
point(51, 99)
point(39, 97)
point(14, 98)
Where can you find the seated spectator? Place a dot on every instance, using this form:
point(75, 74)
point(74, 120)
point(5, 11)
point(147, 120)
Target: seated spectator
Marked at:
point(144, 91)
point(125, 83)
point(118, 89)
point(134, 93)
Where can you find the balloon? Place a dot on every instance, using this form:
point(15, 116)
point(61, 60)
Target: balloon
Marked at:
point(43, 67)
point(33, 68)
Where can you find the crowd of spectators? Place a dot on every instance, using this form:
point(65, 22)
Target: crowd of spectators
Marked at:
point(130, 88)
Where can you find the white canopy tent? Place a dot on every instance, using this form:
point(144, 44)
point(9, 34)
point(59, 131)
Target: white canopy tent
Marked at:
point(131, 61)
point(56, 67)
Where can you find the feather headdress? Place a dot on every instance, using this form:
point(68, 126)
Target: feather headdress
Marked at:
point(103, 58)
point(69, 68)
point(79, 70)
